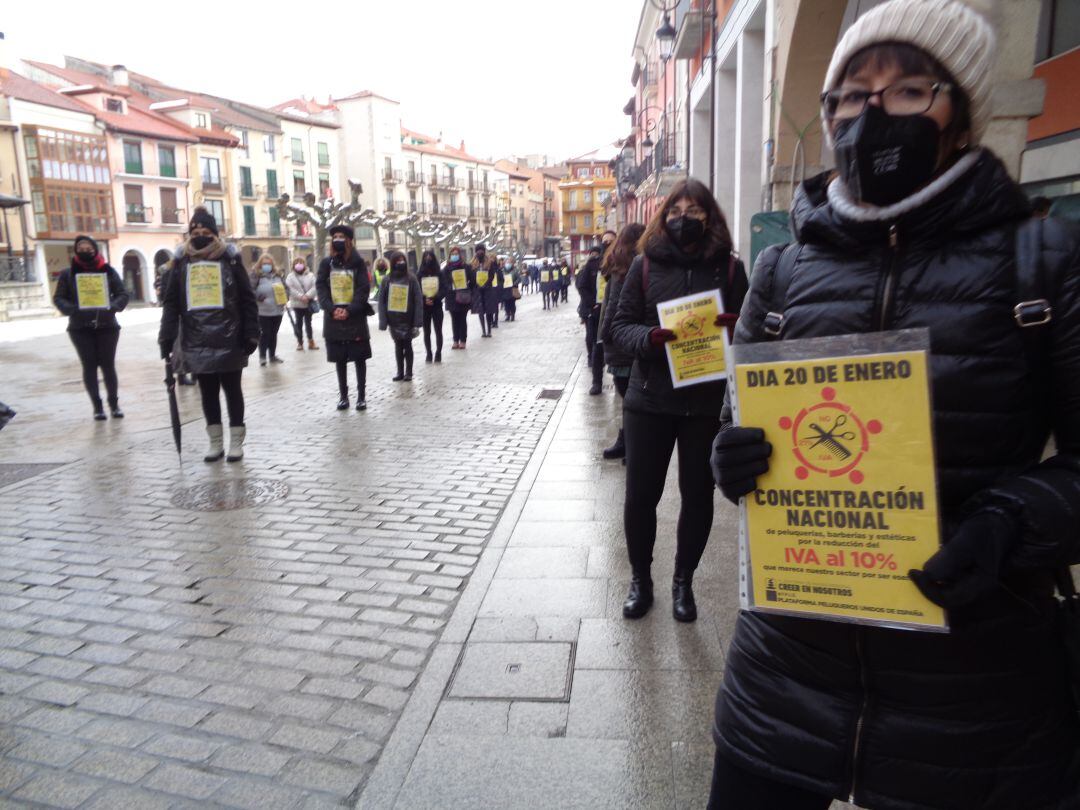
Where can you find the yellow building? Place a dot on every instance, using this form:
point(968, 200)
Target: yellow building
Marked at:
point(587, 191)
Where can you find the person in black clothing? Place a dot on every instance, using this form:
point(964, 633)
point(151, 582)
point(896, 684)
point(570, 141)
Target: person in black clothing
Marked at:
point(686, 249)
point(343, 287)
point(460, 282)
point(208, 302)
point(401, 311)
point(566, 278)
point(434, 291)
point(90, 292)
point(589, 281)
point(488, 289)
point(933, 238)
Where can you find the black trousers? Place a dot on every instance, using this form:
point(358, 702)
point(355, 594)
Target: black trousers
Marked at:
point(459, 323)
point(592, 326)
point(268, 329)
point(486, 319)
point(433, 316)
point(97, 349)
point(342, 368)
point(621, 384)
point(547, 299)
point(511, 309)
point(302, 318)
point(403, 354)
point(650, 438)
point(598, 364)
point(736, 789)
point(210, 385)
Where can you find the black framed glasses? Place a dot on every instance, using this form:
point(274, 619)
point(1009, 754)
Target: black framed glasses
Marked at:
point(905, 97)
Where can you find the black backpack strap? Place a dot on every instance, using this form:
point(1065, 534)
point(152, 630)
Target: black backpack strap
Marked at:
point(781, 279)
point(1033, 308)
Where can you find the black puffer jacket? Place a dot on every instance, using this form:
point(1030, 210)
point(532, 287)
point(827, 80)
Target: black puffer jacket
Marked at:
point(980, 717)
point(586, 286)
point(66, 298)
point(613, 355)
point(672, 274)
point(355, 327)
point(211, 340)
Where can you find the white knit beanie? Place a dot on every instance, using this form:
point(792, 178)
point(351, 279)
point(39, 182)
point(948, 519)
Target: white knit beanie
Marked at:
point(952, 32)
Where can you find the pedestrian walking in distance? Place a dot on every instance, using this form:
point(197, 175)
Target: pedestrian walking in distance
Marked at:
point(488, 281)
point(460, 280)
point(511, 289)
point(90, 292)
point(433, 288)
point(937, 237)
point(401, 310)
point(613, 267)
point(566, 278)
point(546, 275)
point(271, 295)
point(302, 301)
point(208, 301)
point(686, 248)
point(343, 290)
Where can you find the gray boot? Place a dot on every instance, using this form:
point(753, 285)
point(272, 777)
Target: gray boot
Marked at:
point(236, 443)
point(217, 447)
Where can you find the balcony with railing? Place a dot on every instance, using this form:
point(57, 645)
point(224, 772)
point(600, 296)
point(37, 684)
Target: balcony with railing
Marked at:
point(139, 214)
point(445, 210)
point(173, 216)
point(414, 179)
point(397, 206)
point(447, 182)
point(417, 207)
point(16, 270)
point(391, 177)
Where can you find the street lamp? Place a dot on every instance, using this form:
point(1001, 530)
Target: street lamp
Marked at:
point(665, 36)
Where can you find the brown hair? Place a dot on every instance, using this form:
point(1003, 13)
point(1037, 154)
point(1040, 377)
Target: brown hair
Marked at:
point(622, 251)
point(717, 236)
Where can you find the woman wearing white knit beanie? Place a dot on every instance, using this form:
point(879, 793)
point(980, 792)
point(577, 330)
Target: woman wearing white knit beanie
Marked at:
point(920, 227)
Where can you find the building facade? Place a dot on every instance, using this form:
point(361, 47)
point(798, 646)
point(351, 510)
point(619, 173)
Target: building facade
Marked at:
point(588, 195)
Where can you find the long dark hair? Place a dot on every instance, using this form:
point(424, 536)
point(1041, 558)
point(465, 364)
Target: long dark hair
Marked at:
point(717, 236)
point(622, 251)
point(429, 261)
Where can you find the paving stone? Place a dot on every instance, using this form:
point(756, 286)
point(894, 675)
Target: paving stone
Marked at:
point(118, 766)
point(57, 790)
point(181, 780)
point(251, 759)
point(55, 751)
point(305, 738)
point(181, 746)
point(233, 724)
point(324, 776)
point(247, 793)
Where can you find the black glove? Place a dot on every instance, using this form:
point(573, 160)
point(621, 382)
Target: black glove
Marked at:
point(739, 456)
point(166, 349)
point(968, 566)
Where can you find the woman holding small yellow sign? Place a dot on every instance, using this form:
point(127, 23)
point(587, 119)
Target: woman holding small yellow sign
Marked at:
point(90, 292)
point(271, 295)
point(401, 311)
point(343, 288)
point(433, 286)
point(485, 299)
point(460, 281)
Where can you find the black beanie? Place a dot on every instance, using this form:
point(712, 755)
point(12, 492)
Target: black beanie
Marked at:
point(344, 230)
point(201, 218)
point(85, 238)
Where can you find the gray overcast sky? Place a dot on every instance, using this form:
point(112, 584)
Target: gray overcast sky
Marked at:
point(507, 76)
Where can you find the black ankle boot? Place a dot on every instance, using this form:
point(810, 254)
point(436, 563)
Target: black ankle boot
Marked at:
point(99, 411)
point(683, 606)
point(617, 450)
point(343, 400)
point(640, 597)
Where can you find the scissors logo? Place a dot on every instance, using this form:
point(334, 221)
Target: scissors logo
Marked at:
point(829, 438)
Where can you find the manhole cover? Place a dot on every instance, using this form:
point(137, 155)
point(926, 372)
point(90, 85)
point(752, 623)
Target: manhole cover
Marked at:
point(11, 473)
point(530, 670)
point(220, 496)
point(550, 393)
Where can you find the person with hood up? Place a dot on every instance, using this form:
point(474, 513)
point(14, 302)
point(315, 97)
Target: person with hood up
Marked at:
point(686, 248)
point(302, 301)
point(343, 288)
point(488, 289)
point(460, 281)
point(90, 292)
point(401, 310)
point(434, 289)
point(208, 302)
point(268, 282)
point(921, 226)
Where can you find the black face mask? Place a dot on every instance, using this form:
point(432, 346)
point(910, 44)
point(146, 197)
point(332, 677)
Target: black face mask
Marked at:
point(885, 158)
point(685, 231)
point(86, 257)
point(338, 246)
point(481, 256)
point(199, 242)
point(399, 268)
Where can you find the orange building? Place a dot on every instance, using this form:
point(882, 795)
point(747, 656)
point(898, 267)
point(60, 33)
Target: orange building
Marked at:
point(588, 197)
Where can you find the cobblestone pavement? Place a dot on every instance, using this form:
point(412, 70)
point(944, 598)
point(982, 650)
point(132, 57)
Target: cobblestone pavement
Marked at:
point(152, 655)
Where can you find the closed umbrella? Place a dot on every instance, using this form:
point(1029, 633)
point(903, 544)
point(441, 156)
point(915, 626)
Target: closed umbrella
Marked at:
point(174, 408)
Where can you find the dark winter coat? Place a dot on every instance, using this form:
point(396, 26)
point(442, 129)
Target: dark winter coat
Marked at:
point(586, 287)
point(672, 274)
point(353, 329)
point(613, 355)
point(66, 299)
point(507, 293)
point(436, 273)
point(486, 297)
point(401, 324)
point(211, 340)
point(452, 304)
point(979, 717)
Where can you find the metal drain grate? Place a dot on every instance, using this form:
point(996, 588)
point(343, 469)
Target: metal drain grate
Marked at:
point(221, 496)
point(550, 393)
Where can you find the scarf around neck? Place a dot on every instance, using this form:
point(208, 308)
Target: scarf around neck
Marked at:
point(215, 250)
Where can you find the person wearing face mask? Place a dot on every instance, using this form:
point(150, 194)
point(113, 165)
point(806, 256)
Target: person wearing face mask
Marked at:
point(488, 281)
point(588, 284)
point(302, 301)
point(460, 281)
point(343, 289)
point(209, 303)
point(510, 288)
point(686, 248)
point(566, 280)
point(434, 289)
point(921, 226)
point(90, 292)
point(381, 268)
point(401, 310)
point(270, 293)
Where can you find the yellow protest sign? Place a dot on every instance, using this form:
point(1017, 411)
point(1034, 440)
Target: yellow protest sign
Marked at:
point(429, 285)
point(545, 276)
point(601, 287)
point(849, 504)
point(398, 298)
point(205, 289)
point(459, 278)
point(280, 296)
point(508, 279)
point(341, 287)
point(92, 290)
point(482, 278)
point(697, 355)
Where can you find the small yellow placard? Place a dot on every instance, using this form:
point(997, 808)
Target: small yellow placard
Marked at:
point(601, 287)
point(204, 288)
point(697, 355)
point(849, 504)
point(545, 276)
point(459, 278)
point(398, 298)
point(280, 296)
point(341, 287)
point(508, 280)
point(482, 278)
point(92, 290)
point(429, 285)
